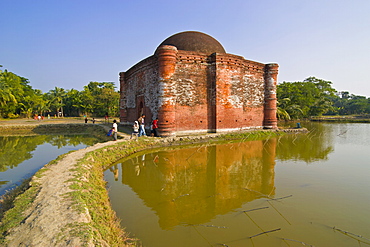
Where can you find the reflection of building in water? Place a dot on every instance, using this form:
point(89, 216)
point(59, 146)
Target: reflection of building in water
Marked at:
point(194, 185)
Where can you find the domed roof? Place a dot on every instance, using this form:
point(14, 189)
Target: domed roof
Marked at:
point(194, 41)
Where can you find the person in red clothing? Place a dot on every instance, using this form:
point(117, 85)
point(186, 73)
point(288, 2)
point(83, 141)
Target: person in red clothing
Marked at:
point(155, 127)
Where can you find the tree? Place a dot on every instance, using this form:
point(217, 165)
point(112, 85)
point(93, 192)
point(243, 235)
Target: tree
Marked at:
point(357, 104)
point(100, 98)
point(73, 103)
point(6, 94)
point(304, 99)
point(32, 102)
point(10, 86)
point(348, 104)
point(55, 98)
point(18, 98)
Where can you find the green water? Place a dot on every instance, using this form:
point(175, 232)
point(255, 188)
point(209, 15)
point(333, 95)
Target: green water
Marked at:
point(228, 195)
point(22, 156)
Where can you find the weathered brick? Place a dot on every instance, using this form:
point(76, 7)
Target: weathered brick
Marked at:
point(191, 91)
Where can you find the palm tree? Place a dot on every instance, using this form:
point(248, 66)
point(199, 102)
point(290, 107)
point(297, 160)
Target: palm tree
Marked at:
point(6, 95)
point(57, 96)
point(295, 111)
point(282, 114)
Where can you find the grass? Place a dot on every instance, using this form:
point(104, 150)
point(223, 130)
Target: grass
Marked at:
point(343, 119)
point(14, 204)
point(90, 194)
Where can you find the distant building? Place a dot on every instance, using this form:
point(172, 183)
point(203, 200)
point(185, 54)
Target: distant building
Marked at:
point(192, 85)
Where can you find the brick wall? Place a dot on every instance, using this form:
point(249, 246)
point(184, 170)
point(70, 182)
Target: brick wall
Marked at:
point(140, 91)
point(194, 92)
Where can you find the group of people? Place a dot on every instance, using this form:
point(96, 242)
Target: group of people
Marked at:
point(92, 120)
point(139, 127)
point(40, 117)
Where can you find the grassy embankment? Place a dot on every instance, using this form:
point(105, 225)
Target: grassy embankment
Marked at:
point(89, 187)
point(343, 119)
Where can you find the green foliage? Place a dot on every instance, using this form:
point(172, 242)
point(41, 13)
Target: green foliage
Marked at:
point(316, 97)
point(17, 98)
point(100, 98)
point(97, 99)
point(73, 103)
point(312, 97)
point(282, 114)
point(55, 100)
point(348, 104)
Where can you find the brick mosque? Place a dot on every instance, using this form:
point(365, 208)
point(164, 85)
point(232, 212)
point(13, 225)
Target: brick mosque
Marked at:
point(193, 86)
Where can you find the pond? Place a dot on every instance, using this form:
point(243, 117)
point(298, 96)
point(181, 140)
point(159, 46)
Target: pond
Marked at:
point(299, 189)
point(22, 156)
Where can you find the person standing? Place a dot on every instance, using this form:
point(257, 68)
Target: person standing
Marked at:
point(142, 125)
point(155, 127)
point(115, 130)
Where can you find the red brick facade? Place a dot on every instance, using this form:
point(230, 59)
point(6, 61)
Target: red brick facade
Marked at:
point(192, 92)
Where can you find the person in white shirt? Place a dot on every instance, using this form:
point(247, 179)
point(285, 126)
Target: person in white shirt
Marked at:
point(115, 130)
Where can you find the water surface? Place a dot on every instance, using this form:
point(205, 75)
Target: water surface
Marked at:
point(228, 194)
point(22, 156)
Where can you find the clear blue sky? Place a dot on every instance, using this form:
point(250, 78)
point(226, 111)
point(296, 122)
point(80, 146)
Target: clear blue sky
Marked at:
point(68, 43)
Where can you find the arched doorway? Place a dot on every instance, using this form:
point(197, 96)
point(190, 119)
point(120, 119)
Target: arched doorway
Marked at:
point(140, 109)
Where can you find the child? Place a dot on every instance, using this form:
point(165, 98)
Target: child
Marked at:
point(110, 132)
point(136, 129)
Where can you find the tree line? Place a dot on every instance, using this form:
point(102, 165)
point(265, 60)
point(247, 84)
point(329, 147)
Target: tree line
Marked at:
point(316, 97)
point(19, 99)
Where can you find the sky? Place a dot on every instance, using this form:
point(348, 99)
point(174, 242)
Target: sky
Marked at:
point(70, 43)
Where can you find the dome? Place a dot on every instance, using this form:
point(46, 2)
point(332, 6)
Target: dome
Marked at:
point(194, 41)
